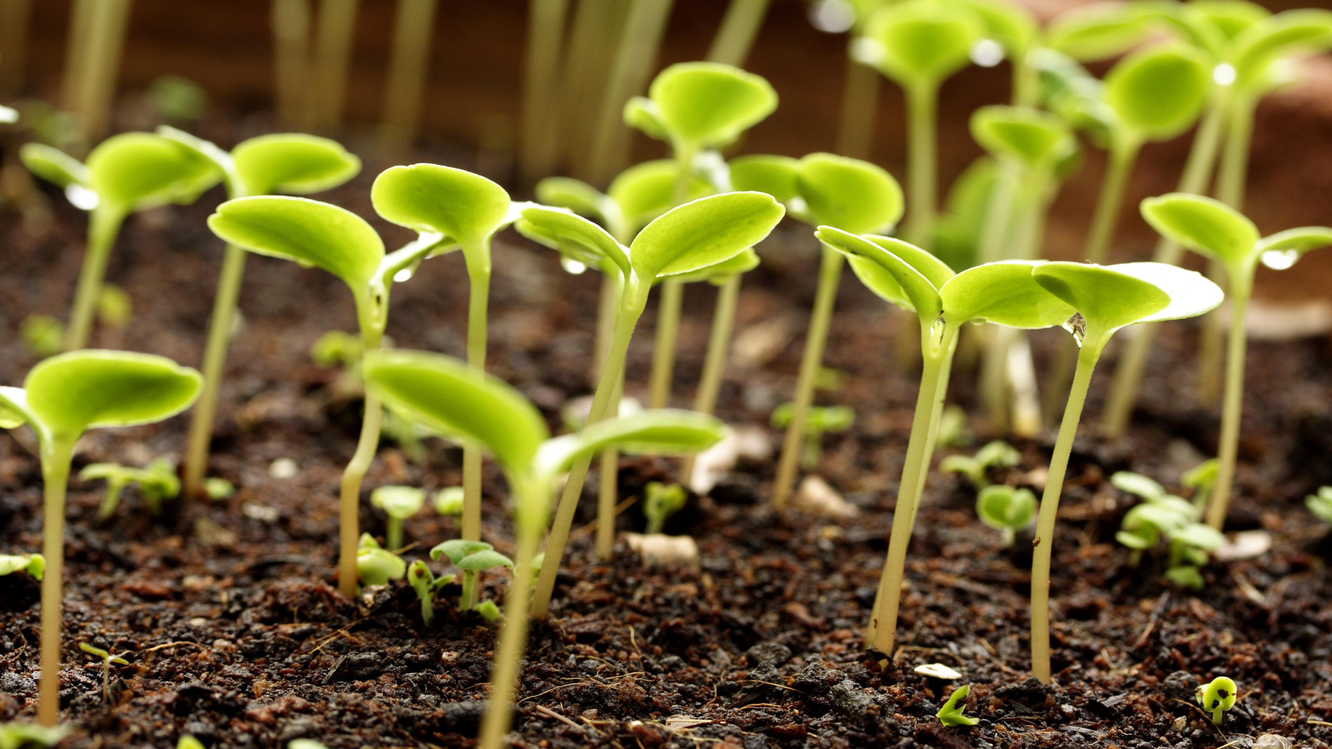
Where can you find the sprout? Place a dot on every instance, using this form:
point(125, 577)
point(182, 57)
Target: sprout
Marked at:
point(1006, 509)
point(157, 482)
point(447, 396)
point(951, 712)
point(426, 585)
point(1217, 696)
point(337, 348)
point(42, 334)
point(177, 99)
point(1164, 515)
point(1106, 299)
point(31, 564)
point(1221, 233)
point(20, 735)
point(108, 660)
point(818, 420)
point(660, 502)
point(1201, 479)
point(1319, 504)
point(61, 398)
point(996, 454)
point(398, 503)
point(340, 242)
point(471, 557)
point(114, 308)
point(305, 744)
point(376, 565)
point(449, 501)
point(953, 427)
point(189, 742)
point(125, 174)
point(489, 610)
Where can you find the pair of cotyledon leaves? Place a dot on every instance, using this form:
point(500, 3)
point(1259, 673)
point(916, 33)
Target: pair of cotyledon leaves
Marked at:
point(701, 105)
point(1215, 229)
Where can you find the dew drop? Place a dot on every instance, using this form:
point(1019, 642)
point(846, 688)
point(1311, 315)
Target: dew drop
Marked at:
point(81, 197)
point(1224, 74)
point(987, 53)
point(832, 16)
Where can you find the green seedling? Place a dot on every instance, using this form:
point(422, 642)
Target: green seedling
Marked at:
point(409, 435)
point(114, 308)
point(157, 482)
point(376, 565)
point(449, 397)
point(426, 585)
point(189, 742)
point(996, 454)
point(1097, 31)
point(700, 234)
point(449, 501)
point(464, 210)
point(661, 501)
point(471, 557)
point(338, 348)
point(125, 174)
point(23, 736)
point(1106, 299)
point(1003, 293)
point(30, 564)
point(287, 163)
point(1217, 696)
point(399, 503)
point(108, 660)
point(61, 398)
point(413, 28)
point(489, 610)
point(1164, 515)
point(42, 334)
point(820, 189)
point(695, 107)
point(1202, 480)
point(177, 100)
point(1006, 509)
point(1320, 504)
point(339, 242)
point(951, 712)
point(1222, 234)
point(818, 421)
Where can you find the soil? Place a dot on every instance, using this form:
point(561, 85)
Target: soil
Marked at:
point(235, 633)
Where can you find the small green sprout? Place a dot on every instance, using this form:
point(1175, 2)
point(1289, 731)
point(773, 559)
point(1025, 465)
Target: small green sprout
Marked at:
point(376, 565)
point(471, 557)
point(25, 736)
point(953, 427)
point(31, 564)
point(399, 503)
point(818, 420)
point(177, 100)
point(61, 398)
point(449, 501)
point(661, 501)
point(1217, 696)
point(426, 585)
point(114, 308)
point(108, 660)
point(218, 489)
point(951, 712)
point(337, 348)
point(489, 610)
point(1319, 504)
point(996, 454)
point(189, 742)
point(157, 482)
point(1006, 509)
point(1201, 479)
point(409, 435)
point(42, 334)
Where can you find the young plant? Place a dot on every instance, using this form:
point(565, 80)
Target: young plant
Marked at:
point(426, 585)
point(447, 396)
point(472, 558)
point(285, 163)
point(660, 502)
point(42, 334)
point(23, 736)
point(61, 398)
point(1006, 509)
point(449, 501)
point(1217, 696)
point(108, 660)
point(157, 483)
point(340, 242)
point(1222, 234)
point(695, 107)
point(1164, 515)
point(376, 565)
point(126, 174)
point(1320, 504)
point(398, 503)
point(996, 454)
point(818, 420)
point(30, 564)
point(951, 712)
point(1106, 299)
point(1202, 480)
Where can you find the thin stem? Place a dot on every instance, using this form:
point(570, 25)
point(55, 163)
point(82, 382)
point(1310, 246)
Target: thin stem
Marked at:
point(291, 51)
point(477, 304)
point(333, 45)
point(56, 457)
point(14, 15)
point(407, 70)
point(945, 375)
point(76, 48)
point(714, 364)
point(922, 102)
point(594, 44)
point(830, 273)
point(214, 359)
point(541, 87)
point(608, 493)
point(101, 62)
point(1233, 407)
point(467, 599)
point(1045, 522)
point(663, 349)
point(349, 496)
point(103, 226)
point(860, 100)
point(393, 534)
point(606, 306)
point(739, 26)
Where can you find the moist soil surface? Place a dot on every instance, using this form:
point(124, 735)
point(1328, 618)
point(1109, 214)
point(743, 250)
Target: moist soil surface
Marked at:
point(229, 615)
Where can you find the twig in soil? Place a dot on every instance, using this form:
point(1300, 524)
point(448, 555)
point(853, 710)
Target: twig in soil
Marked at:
point(1247, 588)
point(552, 714)
point(591, 527)
point(336, 635)
point(765, 683)
point(1313, 722)
point(164, 646)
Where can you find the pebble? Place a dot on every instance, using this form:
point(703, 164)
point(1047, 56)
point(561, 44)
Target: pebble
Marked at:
point(283, 468)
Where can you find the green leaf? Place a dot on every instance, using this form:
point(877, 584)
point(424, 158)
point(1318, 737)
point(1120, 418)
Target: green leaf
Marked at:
point(31, 564)
point(1198, 536)
point(1106, 299)
point(1137, 485)
point(305, 231)
point(643, 115)
point(13, 407)
point(1003, 507)
point(899, 272)
point(702, 233)
point(850, 194)
point(457, 549)
point(398, 502)
point(443, 394)
point(1187, 21)
point(1294, 32)
point(376, 566)
point(1283, 249)
point(951, 712)
point(1037, 138)
point(724, 271)
point(482, 560)
point(577, 196)
point(705, 104)
point(1157, 93)
point(1204, 225)
point(1009, 24)
point(1230, 17)
point(53, 165)
point(775, 175)
point(293, 163)
point(921, 42)
point(1191, 294)
point(1003, 293)
point(573, 236)
point(1097, 31)
point(657, 432)
point(645, 191)
point(134, 171)
point(431, 198)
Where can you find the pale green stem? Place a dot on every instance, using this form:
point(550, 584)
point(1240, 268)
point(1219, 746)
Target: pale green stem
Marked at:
point(56, 457)
point(111, 500)
point(337, 25)
point(860, 99)
point(588, 38)
point(945, 375)
point(349, 494)
point(467, 599)
point(1045, 522)
point(663, 349)
point(214, 359)
point(106, 40)
point(103, 226)
point(606, 306)
point(714, 364)
point(407, 72)
point(922, 103)
point(76, 48)
point(608, 494)
point(1228, 446)
point(738, 29)
point(542, 87)
point(393, 534)
point(14, 15)
point(477, 304)
point(1026, 82)
point(291, 51)
point(830, 273)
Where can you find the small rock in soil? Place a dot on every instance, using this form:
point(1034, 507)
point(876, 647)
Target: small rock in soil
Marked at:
point(1180, 685)
point(768, 654)
point(851, 701)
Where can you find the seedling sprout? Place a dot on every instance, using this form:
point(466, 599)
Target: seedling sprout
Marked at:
point(1320, 504)
point(471, 557)
point(661, 501)
point(108, 660)
point(818, 420)
point(398, 503)
point(1217, 696)
point(426, 585)
point(20, 735)
point(449, 501)
point(951, 712)
point(157, 482)
point(996, 454)
point(1006, 509)
point(30, 564)
point(376, 565)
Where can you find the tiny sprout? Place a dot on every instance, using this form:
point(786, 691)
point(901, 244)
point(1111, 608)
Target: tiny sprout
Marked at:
point(108, 660)
point(1319, 504)
point(189, 742)
point(42, 334)
point(1217, 696)
point(337, 348)
point(489, 610)
point(449, 501)
point(818, 420)
point(1006, 509)
point(376, 565)
point(471, 557)
point(114, 307)
point(660, 502)
point(399, 503)
point(305, 744)
point(1201, 479)
point(951, 712)
point(953, 427)
point(32, 564)
point(157, 482)
point(426, 585)
point(938, 671)
point(25, 736)
point(996, 454)
point(219, 489)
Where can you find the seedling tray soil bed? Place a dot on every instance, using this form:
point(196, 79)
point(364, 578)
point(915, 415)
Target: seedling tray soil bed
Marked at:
point(235, 633)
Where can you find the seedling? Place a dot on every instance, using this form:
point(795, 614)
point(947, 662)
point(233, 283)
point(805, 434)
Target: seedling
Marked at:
point(340, 242)
point(1165, 515)
point(447, 396)
point(471, 557)
point(1006, 509)
point(1319, 504)
point(449, 501)
point(1106, 299)
point(61, 398)
point(996, 454)
point(1222, 234)
point(951, 712)
point(21, 736)
point(189, 742)
point(398, 503)
point(1217, 696)
point(125, 174)
point(489, 610)
point(660, 502)
point(1201, 479)
point(42, 334)
point(818, 420)
point(157, 482)
point(426, 585)
point(376, 565)
point(30, 564)
point(290, 164)
point(108, 660)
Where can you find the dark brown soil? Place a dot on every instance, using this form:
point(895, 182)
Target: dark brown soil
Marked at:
point(236, 634)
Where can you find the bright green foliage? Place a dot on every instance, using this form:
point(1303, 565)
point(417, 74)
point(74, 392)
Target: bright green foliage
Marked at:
point(1097, 31)
point(108, 660)
point(1157, 93)
point(719, 274)
point(1320, 504)
point(1217, 696)
point(1163, 515)
point(489, 610)
point(1037, 139)
point(292, 164)
point(1201, 479)
point(1012, 26)
point(189, 742)
point(660, 501)
point(822, 188)
point(996, 454)
point(157, 482)
point(920, 42)
point(818, 421)
point(1111, 297)
point(376, 565)
point(951, 712)
point(698, 105)
point(24, 736)
point(31, 564)
point(218, 488)
point(463, 207)
point(703, 233)
point(398, 503)
point(426, 585)
point(54, 166)
point(135, 171)
point(449, 501)
point(1006, 509)
point(42, 334)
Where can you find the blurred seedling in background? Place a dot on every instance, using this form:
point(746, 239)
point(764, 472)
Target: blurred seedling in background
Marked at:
point(1165, 516)
point(108, 660)
point(376, 565)
point(449, 501)
point(24, 736)
point(1320, 504)
point(157, 483)
point(950, 714)
point(177, 100)
point(1217, 696)
point(398, 503)
point(61, 398)
point(42, 334)
point(819, 420)
point(953, 430)
point(426, 585)
point(660, 501)
point(30, 564)
point(1202, 480)
point(1006, 509)
point(471, 558)
point(994, 455)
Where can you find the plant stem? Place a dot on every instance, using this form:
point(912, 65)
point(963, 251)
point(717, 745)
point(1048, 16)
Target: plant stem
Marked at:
point(76, 48)
point(714, 365)
point(407, 70)
point(542, 87)
point(349, 497)
point(608, 494)
point(860, 100)
point(103, 226)
point(606, 306)
point(1228, 445)
point(14, 15)
point(291, 58)
point(56, 457)
point(101, 63)
point(1045, 523)
point(739, 26)
point(594, 42)
point(670, 301)
point(477, 304)
point(830, 273)
point(922, 102)
point(467, 600)
point(337, 25)
point(393, 534)
point(214, 359)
